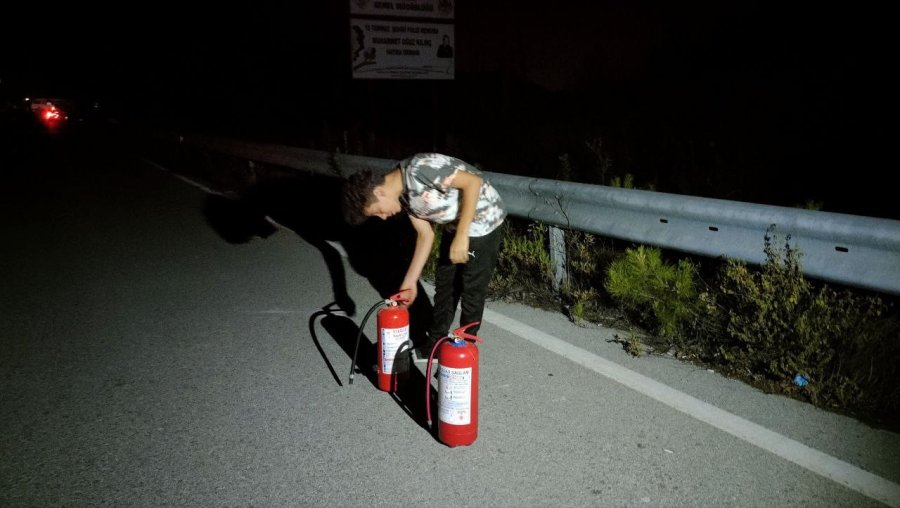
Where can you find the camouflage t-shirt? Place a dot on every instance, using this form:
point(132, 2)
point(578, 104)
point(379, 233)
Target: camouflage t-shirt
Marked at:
point(427, 178)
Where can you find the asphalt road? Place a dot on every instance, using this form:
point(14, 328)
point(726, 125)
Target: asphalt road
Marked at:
point(149, 359)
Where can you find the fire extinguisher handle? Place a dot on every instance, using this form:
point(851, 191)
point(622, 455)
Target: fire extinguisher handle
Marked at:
point(470, 336)
point(397, 298)
point(462, 334)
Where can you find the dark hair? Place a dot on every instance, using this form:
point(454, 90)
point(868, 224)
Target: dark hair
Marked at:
point(357, 194)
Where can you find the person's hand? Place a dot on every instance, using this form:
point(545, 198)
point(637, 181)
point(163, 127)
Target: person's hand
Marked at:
point(410, 294)
point(459, 249)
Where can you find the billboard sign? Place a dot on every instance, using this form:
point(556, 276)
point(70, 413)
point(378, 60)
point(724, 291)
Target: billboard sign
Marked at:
point(383, 49)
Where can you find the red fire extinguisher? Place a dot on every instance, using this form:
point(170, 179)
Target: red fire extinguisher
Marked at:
point(457, 387)
point(393, 337)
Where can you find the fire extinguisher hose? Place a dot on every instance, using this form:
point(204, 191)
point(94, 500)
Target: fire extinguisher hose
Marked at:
point(362, 327)
point(428, 378)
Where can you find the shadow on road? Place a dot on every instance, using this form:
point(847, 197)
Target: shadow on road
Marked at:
point(309, 206)
point(300, 205)
point(410, 396)
point(343, 331)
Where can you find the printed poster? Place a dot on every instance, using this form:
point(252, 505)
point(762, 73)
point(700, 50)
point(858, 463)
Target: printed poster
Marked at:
point(401, 50)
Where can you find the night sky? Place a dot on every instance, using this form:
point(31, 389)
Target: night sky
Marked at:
point(751, 100)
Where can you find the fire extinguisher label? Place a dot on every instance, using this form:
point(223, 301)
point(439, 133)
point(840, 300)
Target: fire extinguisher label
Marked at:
point(391, 340)
point(455, 395)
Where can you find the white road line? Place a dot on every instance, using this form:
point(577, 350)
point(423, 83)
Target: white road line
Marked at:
point(820, 463)
point(185, 179)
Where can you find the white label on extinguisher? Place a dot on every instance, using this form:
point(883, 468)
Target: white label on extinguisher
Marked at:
point(455, 395)
point(391, 340)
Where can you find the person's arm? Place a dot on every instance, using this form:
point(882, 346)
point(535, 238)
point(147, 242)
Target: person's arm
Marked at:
point(469, 186)
point(424, 239)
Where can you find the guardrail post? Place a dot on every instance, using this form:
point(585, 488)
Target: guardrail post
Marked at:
point(558, 256)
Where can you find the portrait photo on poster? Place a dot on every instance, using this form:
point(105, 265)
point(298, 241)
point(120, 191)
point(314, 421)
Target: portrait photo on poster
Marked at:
point(445, 50)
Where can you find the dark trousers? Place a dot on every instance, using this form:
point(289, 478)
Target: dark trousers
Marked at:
point(466, 281)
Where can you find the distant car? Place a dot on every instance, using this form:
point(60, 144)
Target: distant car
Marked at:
point(51, 113)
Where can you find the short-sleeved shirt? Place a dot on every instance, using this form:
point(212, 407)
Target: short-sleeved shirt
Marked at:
point(428, 194)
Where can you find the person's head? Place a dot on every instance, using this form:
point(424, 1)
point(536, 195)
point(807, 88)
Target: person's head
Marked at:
point(446, 40)
point(366, 195)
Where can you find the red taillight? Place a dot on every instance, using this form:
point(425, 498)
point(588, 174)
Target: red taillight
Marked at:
point(52, 114)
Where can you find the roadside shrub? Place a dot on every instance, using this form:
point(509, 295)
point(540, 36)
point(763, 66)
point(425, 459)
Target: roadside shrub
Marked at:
point(626, 182)
point(523, 264)
point(779, 325)
point(662, 297)
point(577, 292)
point(582, 294)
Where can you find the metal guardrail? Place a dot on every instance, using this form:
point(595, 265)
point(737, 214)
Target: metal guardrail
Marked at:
point(858, 251)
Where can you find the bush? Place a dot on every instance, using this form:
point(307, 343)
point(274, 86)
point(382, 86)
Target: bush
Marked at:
point(779, 325)
point(587, 256)
point(662, 297)
point(523, 263)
